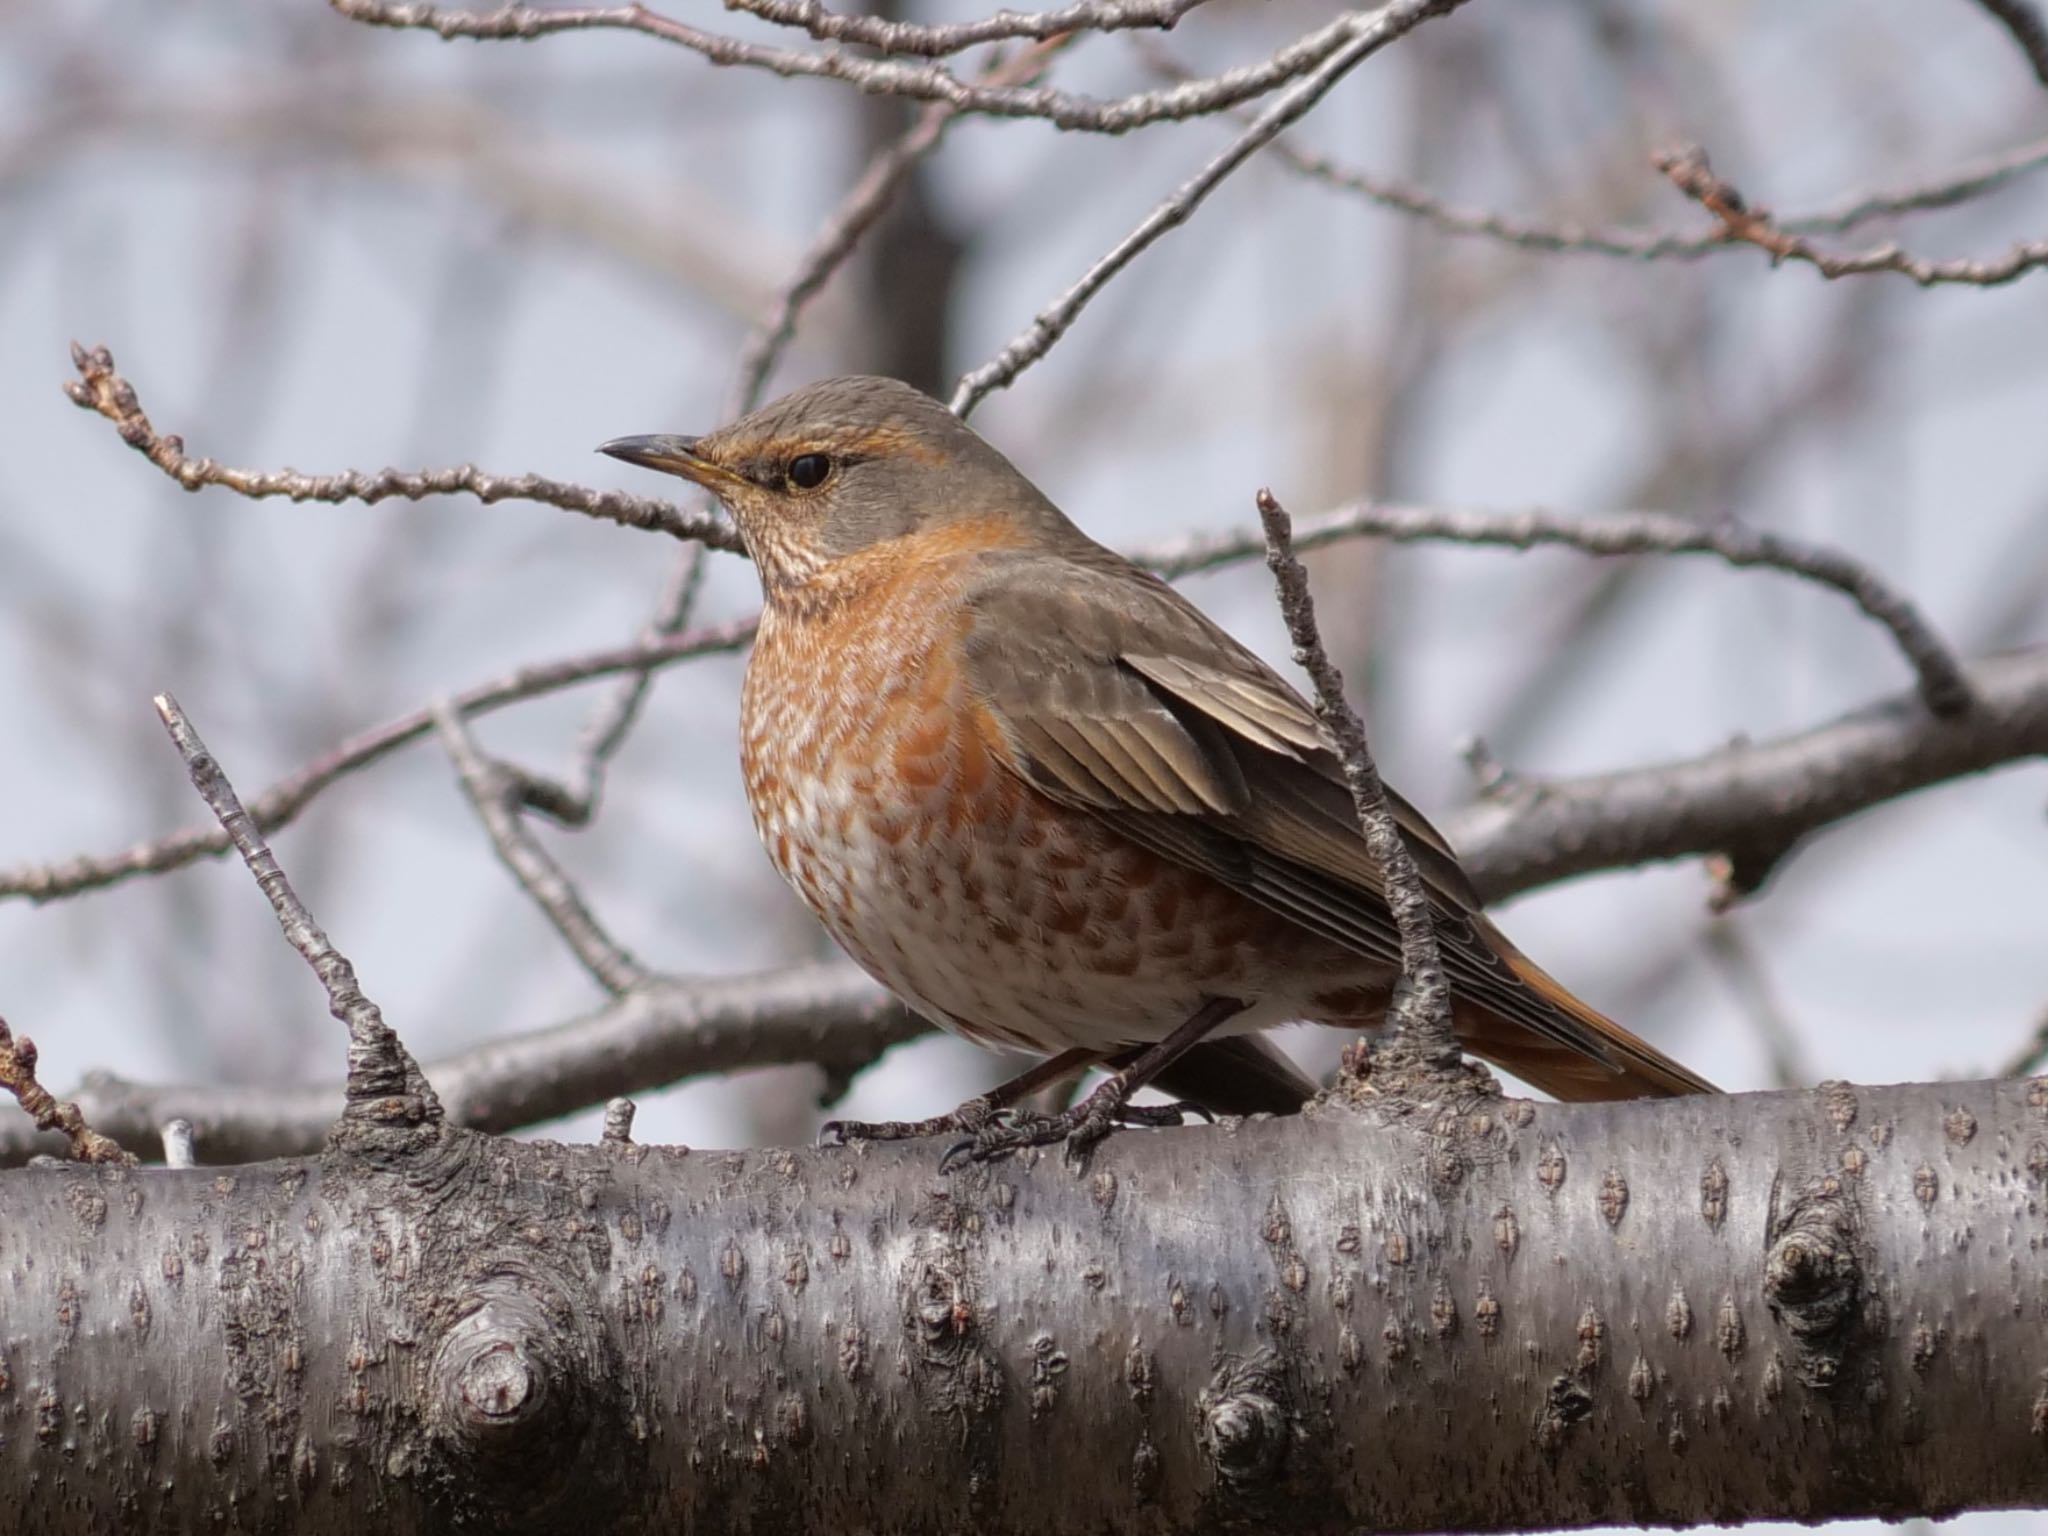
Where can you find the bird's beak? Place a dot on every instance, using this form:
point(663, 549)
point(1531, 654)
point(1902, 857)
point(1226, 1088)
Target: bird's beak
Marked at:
point(671, 455)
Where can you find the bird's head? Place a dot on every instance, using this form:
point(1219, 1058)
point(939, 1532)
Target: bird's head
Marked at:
point(840, 466)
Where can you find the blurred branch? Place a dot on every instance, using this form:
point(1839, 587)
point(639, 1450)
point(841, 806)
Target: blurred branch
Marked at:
point(662, 1032)
point(99, 388)
point(1959, 185)
point(925, 82)
point(1394, 20)
point(1691, 173)
point(2023, 21)
point(2032, 1056)
point(1736, 958)
point(1942, 682)
point(282, 801)
point(497, 790)
point(1752, 802)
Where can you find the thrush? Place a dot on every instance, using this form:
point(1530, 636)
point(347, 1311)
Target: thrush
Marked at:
point(1051, 805)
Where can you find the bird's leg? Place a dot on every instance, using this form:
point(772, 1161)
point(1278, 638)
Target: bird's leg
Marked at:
point(1108, 1106)
point(971, 1116)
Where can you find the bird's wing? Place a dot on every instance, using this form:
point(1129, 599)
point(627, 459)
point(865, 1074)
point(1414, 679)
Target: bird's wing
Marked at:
point(1117, 695)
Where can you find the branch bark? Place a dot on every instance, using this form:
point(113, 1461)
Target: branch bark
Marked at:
point(1783, 1305)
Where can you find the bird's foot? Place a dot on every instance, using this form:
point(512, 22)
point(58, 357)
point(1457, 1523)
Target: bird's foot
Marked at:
point(969, 1119)
point(1079, 1128)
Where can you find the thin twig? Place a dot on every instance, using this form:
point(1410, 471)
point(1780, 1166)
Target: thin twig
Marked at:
point(1392, 21)
point(883, 77)
point(496, 791)
point(1939, 670)
point(1421, 1013)
point(2023, 21)
point(1691, 173)
point(1565, 237)
point(933, 42)
point(279, 804)
point(99, 388)
point(384, 1083)
point(618, 1123)
point(1735, 957)
point(18, 1077)
point(180, 1149)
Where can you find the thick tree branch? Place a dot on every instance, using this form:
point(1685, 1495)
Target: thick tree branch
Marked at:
point(1751, 802)
point(665, 1031)
point(1793, 1306)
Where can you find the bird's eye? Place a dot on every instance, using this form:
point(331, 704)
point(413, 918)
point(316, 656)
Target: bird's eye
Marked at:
point(808, 471)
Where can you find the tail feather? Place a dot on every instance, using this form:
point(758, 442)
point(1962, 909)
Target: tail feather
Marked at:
point(1238, 1075)
point(1547, 1037)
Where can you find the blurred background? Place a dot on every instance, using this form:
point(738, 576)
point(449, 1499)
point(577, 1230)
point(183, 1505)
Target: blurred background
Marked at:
point(319, 244)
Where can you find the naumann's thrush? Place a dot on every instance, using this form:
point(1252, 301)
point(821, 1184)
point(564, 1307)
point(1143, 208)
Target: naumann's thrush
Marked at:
point(1047, 802)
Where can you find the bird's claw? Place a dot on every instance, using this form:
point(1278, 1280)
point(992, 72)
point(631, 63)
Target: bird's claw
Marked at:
point(969, 1117)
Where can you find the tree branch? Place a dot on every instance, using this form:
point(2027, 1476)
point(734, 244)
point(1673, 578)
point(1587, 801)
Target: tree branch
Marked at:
point(1368, 36)
point(1703, 1310)
point(1942, 683)
point(665, 1031)
point(2023, 21)
point(1691, 173)
point(1421, 1011)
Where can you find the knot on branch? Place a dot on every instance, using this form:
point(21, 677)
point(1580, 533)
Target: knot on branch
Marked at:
point(511, 1409)
point(1245, 1422)
point(1813, 1279)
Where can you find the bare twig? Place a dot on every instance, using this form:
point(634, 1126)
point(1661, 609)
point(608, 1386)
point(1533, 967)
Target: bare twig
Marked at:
point(1421, 1013)
point(933, 42)
point(18, 1077)
point(923, 82)
point(665, 1032)
point(1735, 957)
point(384, 1083)
point(1942, 683)
point(281, 802)
point(1366, 38)
point(618, 1123)
point(1691, 173)
point(99, 388)
point(2023, 21)
point(1956, 186)
point(1752, 802)
point(496, 790)
point(179, 1148)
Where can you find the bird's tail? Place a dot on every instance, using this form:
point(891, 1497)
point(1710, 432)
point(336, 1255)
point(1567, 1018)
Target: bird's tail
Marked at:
point(1534, 1028)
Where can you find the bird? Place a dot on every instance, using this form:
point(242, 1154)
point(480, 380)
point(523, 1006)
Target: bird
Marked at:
point(1044, 799)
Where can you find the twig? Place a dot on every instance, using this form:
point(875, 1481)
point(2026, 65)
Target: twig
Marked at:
point(2031, 1056)
point(618, 1123)
point(1942, 683)
point(1383, 26)
point(278, 805)
point(670, 1030)
point(18, 1077)
point(179, 1148)
point(1753, 802)
point(99, 388)
point(2023, 21)
point(496, 790)
point(1742, 968)
point(882, 77)
point(937, 41)
point(1421, 1013)
point(1691, 173)
point(384, 1083)
point(1569, 238)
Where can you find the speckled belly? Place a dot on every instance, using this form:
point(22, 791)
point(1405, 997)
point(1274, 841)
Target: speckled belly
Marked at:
point(883, 794)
